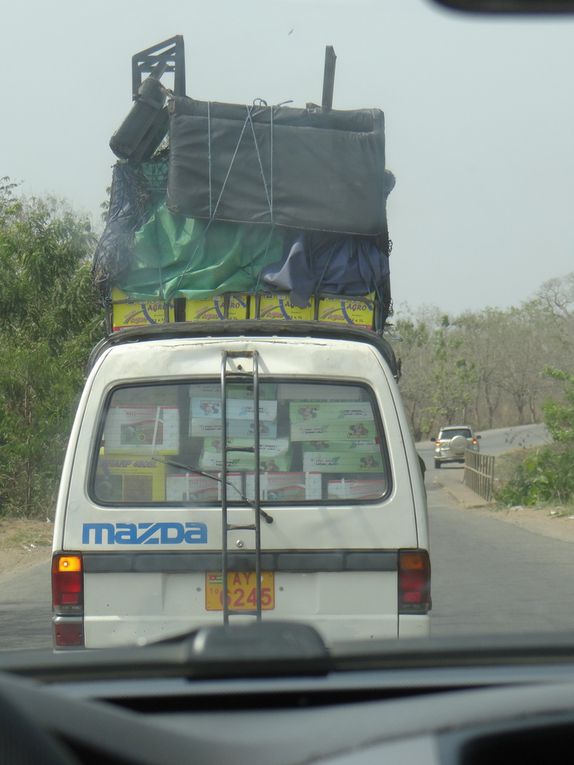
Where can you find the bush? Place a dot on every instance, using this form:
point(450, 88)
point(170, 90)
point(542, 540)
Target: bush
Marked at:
point(543, 477)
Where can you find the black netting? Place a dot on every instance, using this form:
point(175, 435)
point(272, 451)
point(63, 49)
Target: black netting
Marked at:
point(137, 190)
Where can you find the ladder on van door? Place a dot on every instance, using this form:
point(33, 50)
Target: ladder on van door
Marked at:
point(233, 370)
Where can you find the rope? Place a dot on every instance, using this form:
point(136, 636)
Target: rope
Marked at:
point(209, 151)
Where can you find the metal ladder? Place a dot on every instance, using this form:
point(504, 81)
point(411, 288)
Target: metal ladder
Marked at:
point(251, 376)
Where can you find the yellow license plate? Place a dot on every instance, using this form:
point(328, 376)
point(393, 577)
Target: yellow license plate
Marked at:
point(241, 591)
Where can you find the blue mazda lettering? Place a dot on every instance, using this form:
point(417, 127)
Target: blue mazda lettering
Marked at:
point(144, 533)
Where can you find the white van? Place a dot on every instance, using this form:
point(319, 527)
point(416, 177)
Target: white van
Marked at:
point(235, 471)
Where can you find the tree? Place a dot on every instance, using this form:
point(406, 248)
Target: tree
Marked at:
point(49, 319)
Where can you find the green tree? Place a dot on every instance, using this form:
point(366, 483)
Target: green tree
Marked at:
point(49, 319)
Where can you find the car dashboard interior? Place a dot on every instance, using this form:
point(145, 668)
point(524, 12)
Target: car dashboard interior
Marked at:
point(487, 702)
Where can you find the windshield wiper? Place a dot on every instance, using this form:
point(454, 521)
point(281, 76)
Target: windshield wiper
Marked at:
point(191, 469)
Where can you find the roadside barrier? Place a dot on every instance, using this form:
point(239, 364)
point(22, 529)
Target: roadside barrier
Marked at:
point(479, 473)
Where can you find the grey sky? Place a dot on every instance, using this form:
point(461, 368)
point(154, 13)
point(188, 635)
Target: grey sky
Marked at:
point(479, 117)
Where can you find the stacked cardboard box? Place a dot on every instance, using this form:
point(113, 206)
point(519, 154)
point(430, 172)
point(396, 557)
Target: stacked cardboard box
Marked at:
point(142, 430)
point(130, 312)
point(129, 479)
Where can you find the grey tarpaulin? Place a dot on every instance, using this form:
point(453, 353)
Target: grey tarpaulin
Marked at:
point(299, 168)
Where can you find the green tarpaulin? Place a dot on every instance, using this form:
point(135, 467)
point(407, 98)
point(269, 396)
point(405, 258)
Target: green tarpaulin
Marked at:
point(174, 256)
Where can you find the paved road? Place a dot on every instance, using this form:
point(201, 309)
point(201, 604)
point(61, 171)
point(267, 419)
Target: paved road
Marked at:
point(25, 608)
point(488, 576)
point(496, 441)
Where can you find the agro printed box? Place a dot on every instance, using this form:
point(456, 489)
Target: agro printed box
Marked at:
point(360, 446)
point(217, 308)
point(308, 392)
point(275, 306)
point(332, 431)
point(237, 409)
point(355, 312)
point(211, 390)
point(131, 312)
point(212, 460)
point(330, 411)
point(267, 447)
point(356, 489)
point(208, 427)
point(342, 462)
point(130, 479)
point(142, 430)
point(285, 487)
point(190, 487)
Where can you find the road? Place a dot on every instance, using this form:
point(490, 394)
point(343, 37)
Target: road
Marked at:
point(496, 441)
point(488, 576)
point(25, 608)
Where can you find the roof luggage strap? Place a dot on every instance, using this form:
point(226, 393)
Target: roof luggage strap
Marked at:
point(233, 370)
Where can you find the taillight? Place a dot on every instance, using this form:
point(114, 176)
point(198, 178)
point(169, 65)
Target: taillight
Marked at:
point(68, 599)
point(414, 582)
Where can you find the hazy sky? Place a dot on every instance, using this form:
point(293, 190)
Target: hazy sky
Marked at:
point(479, 116)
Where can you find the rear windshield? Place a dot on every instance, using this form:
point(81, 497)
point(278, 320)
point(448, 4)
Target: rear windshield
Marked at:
point(453, 432)
point(162, 445)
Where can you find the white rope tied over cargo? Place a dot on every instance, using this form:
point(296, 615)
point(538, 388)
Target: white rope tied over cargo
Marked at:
point(209, 154)
point(258, 104)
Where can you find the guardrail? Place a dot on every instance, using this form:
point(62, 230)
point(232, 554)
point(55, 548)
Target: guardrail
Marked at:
point(479, 473)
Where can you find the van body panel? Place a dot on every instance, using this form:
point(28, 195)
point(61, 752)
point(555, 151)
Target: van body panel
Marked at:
point(166, 596)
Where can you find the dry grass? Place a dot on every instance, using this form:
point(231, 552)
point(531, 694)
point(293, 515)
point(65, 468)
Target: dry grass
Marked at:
point(20, 534)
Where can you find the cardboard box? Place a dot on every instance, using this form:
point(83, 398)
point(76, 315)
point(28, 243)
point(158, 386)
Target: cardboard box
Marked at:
point(317, 392)
point(218, 308)
point(130, 479)
point(268, 447)
point(330, 411)
point(128, 312)
point(354, 312)
point(279, 307)
point(342, 462)
point(142, 430)
point(208, 427)
point(360, 446)
point(267, 391)
point(213, 460)
point(285, 487)
point(359, 489)
point(190, 487)
point(332, 431)
point(237, 409)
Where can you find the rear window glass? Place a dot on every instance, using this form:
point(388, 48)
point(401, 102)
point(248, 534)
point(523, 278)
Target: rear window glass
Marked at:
point(453, 432)
point(161, 444)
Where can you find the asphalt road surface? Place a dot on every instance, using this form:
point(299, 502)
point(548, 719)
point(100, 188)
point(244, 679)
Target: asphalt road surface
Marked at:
point(488, 576)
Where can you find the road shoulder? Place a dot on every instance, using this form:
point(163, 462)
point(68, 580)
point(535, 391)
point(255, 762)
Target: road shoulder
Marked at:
point(549, 522)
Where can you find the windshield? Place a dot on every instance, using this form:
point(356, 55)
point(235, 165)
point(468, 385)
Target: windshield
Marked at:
point(379, 167)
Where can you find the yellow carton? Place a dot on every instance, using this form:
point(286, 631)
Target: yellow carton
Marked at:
point(129, 479)
point(356, 312)
point(217, 308)
point(128, 312)
point(273, 306)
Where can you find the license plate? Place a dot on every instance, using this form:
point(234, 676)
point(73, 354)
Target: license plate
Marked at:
point(241, 591)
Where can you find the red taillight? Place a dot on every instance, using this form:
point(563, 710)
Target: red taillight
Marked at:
point(68, 633)
point(414, 582)
point(68, 600)
point(67, 583)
